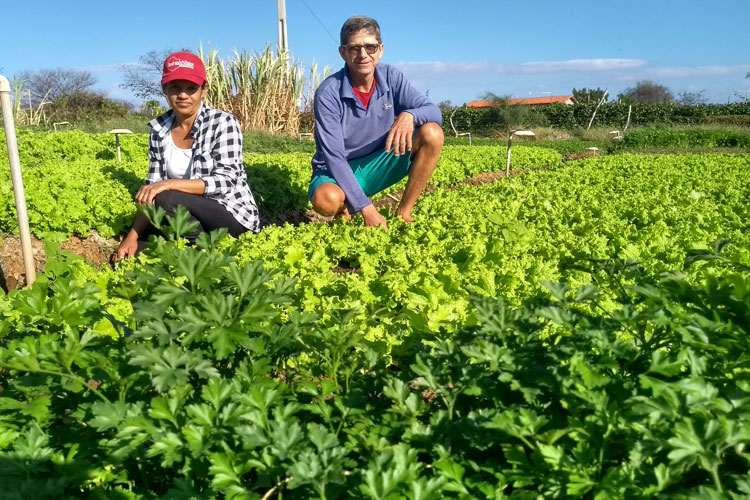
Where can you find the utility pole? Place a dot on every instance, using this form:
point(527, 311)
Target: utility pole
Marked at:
point(283, 43)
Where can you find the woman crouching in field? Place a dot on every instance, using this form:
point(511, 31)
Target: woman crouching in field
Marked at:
point(195, 160)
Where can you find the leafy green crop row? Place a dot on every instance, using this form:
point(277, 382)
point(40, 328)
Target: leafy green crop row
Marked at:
point(72, 189)
point(72, 198)
point(666, 138)
point(37, 148)
point(503, 238)
point(218, 393)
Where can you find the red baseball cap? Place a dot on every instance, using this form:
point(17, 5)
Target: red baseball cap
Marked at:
point(183, 66)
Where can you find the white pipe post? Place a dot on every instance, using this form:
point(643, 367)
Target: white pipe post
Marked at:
point(524, 133)
point(507, 161)
point(17, 180)
point(601, 101)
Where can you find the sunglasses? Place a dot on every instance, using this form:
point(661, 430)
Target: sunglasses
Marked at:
point(355, 50)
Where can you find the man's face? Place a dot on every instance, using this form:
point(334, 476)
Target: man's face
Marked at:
point(356, 54)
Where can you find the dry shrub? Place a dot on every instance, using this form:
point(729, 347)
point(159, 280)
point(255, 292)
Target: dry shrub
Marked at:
point(266, 91)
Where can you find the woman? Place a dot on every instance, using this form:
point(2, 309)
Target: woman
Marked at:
point(195, 160)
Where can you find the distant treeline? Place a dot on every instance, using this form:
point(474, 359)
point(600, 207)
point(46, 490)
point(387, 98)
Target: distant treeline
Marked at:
point(485, 121)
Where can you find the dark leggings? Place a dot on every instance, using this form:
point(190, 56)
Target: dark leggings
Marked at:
point(207, 212)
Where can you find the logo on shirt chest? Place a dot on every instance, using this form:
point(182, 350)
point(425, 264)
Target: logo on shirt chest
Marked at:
point(387, 105)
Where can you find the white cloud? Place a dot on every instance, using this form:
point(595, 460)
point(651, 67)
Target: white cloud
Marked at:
point(679, 72)
point(580, 65)
point(529, 68)
point(614, 66)
point(438, 67)
point(108, 68)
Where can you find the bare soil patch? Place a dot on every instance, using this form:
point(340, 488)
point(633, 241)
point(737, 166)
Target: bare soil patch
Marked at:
point(93, 248)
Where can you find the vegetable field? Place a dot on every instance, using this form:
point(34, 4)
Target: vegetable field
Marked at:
point(577, 330)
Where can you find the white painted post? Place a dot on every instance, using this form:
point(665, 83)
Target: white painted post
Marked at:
point(17, 180)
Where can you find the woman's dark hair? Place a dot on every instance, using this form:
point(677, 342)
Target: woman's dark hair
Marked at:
point(359, 23)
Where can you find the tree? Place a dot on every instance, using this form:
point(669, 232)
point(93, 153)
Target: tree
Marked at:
point(647, 92)
point(503, 116)
point(692, 98)
point(588, 96)
point(85, 106)
point(54, 84)
point(446, 105)
point(144, 79)
point(153, 108)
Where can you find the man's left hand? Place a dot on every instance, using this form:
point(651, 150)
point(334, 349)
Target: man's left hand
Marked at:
point(400, 135)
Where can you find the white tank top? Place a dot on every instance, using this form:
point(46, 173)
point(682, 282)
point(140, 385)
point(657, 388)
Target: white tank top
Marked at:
point(177, 160)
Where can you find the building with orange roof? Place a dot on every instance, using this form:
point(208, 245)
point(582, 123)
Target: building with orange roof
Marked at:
point(527, 101)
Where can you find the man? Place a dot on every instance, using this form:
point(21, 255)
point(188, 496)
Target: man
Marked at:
point(365, 120)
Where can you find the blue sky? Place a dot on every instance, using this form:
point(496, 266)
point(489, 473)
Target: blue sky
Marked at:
point(456, 50)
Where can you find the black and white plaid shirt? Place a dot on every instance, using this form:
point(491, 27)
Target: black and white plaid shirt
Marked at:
point(217, 161)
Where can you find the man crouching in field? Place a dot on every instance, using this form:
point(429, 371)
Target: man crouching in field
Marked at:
point(365, 121)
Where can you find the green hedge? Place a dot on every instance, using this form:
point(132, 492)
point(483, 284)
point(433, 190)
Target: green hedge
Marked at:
point(486, 120)
point(649, 138)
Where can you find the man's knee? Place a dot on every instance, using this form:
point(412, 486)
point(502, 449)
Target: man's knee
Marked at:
point(328, 198)
point(431, 135)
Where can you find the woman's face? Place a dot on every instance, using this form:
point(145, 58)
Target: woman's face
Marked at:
point(184, 97)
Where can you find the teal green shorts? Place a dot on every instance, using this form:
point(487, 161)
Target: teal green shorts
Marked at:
point(374, 172)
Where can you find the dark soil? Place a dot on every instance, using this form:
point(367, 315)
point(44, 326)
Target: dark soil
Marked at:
point(579, 156)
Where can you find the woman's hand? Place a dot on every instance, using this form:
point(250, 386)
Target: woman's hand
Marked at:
point(128, 246)
point(148, 192)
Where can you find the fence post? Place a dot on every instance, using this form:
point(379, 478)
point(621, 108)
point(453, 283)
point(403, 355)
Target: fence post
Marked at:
point(17, 180)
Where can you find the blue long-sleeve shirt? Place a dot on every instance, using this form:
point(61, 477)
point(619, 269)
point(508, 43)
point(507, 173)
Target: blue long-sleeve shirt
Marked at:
point(344, 129)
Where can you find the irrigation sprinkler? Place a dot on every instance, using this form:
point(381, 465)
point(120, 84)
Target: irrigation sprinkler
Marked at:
point(17, 180)
point(455, 132)
point(520, 133)
point(465, 133)
point(117, 133)
point(54, 125)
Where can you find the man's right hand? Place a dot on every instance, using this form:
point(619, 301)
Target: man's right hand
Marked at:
point(373, 218)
